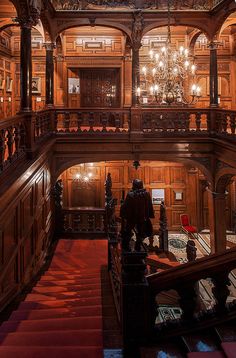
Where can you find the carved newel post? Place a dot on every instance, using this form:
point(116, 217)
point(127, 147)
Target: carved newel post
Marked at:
point(163, 231)
point(136, 39)
point(110, 206)
point(49, 46)
point(59, 216)
point(28, 18)
point(213, 75)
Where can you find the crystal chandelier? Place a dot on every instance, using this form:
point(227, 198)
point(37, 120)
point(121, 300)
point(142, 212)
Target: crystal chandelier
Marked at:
point(84, 176)
point(163, 77)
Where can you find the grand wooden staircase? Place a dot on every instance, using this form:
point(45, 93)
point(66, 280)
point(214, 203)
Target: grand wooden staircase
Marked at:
point(62, 316)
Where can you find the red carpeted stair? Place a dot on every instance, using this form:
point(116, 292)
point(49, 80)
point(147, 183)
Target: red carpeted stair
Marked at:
point(62, 316)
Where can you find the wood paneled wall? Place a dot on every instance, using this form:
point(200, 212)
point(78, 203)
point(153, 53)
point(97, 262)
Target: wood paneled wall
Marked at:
point(26, 225)
point(172, 177)
point(101, 47)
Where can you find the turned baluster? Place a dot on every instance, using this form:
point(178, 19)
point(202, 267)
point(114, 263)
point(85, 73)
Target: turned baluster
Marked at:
point(232, 123)
point(188, 300)
point(104, 121)
point(10, 142)
point(37, 128)
point(225, 123)
point(17, 138)
point(91, 121)
point(67, 122)
point(2, 147)
point(198, 121)
point(79, 121)
point(220, 290)
point(117, 122)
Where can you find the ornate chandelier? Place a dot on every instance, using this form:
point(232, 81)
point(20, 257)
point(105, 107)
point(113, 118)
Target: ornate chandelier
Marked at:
point(164, 76)
point(83, 177)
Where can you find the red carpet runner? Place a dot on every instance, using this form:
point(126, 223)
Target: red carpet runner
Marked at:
point(62, 316)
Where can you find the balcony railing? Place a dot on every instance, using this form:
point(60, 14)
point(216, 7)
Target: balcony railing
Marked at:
point(24, 134)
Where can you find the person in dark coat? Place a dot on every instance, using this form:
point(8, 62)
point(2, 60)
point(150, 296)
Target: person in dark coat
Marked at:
point(136, 212)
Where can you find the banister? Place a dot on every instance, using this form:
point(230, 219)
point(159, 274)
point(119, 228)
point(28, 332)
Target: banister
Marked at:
point(193, 271)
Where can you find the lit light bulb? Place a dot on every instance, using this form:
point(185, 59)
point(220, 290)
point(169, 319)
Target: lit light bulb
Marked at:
point(144, 70)
point(186, 52)
point(181, 50)
point(163, 49)
point(198, 89)
point(78, 175)
point(90, 175)
point(186, 64)
point(86, 179)
point(161, 64)
point(157, 56)
point(156, 88)
point(175, 70)
point(193, 68)
point(138, 91)
point(154, 71)
point(151, 90)
point(151, 54)
point(194, 87)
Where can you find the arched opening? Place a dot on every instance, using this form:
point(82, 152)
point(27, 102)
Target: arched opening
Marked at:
point(94, 71)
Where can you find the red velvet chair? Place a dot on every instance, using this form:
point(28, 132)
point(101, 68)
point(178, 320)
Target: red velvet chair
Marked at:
point(187, 228)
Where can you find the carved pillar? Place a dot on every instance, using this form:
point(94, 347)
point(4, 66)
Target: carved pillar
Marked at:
point(213, 75)
point(136, 38)
point(217, 205)
point(25, 67)
point(49, 74)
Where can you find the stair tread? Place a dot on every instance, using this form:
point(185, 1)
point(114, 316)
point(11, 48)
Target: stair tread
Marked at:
point(47, 296)
point(62, 303)
point(73, 323)
point(215, 354)
point(84, 337)
point(57, 352)
point(229, 349)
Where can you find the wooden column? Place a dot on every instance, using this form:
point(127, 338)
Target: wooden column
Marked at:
point(217, 221)
point(49, 74)
point(135, 75)
point(213, 75)
point(25, 67)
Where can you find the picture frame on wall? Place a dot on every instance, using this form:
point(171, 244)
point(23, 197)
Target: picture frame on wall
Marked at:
point(178, 195)
point(36, 85)
point(9, 82)
point(158, 195)
point(73, 85)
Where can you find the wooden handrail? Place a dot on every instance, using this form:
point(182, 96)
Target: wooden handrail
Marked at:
point(193, 271)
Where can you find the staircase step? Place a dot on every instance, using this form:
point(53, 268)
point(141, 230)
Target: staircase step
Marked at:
point(55, 313)
point(215, 354)
point(54, 352)
point(64, 289)
point(47, 296)
point(167, 350)
point(204, 341)
point(61, 303)
point(84, 337)
point(226, 332)
point(58, 324)
point(71, 279)
point(229, 349)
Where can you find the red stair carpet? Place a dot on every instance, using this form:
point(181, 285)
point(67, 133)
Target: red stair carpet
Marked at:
point(62, 316)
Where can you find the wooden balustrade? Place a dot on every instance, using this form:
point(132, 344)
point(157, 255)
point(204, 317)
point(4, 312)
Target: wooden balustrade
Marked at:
point(84, 220)
point(12, 140)
point(85, 120)
point(184, 279)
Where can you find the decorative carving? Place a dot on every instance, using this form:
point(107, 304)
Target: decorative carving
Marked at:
point(137, 31)
point(163, 231)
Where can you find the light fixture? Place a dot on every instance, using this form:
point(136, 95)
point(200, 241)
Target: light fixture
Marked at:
point(164, 76)
point(84, 176)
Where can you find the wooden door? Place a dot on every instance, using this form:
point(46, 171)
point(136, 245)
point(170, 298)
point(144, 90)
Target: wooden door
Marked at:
point(100, 87)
